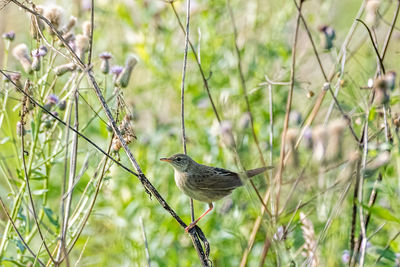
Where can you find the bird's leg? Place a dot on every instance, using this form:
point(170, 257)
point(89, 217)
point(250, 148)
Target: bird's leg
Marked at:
point(193, 224)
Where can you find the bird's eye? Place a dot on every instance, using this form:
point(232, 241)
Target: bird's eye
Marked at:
point(178, 159)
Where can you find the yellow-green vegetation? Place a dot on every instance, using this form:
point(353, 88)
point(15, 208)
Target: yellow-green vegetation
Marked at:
point(88, 109)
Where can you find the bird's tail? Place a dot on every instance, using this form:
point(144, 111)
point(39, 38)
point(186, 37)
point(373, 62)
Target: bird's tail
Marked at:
point(254, 172)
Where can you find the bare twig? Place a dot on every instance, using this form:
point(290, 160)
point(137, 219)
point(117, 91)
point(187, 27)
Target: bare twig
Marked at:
point(18, 233)
point(22, 122)
point(145, 243)
point(278, 178)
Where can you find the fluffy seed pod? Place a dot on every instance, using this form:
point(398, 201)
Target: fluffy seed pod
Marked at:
point(320, 138)
point(291, 136)
point(55, 15)
point(371, 12)
point(21, 53)
point(70, 25)
point(62, 69)
point(87, 28)
point(105, 62)
point(123, 79)
point(82, 45)
point(335, 139)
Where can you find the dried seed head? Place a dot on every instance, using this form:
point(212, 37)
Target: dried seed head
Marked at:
point(320, 137)
point(86, 28)
point(62, 69)
point(21, 53)
point(291, 136)
point(310, 243)
point(371, 13)
point(10, 36)
point(55, 15)
point(127, 133)
point(69, 38)
point(335, 139)
point(70, 25)
point(123, 79)
point(82, 45)
point(37, 23)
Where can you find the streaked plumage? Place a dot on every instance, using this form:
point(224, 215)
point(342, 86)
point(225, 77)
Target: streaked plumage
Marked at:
point(205, 183)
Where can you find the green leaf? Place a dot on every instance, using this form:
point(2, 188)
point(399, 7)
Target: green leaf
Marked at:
point(49, 213)
point(382, 213)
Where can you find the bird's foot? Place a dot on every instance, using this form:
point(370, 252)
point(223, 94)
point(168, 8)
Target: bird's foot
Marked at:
point(190, 226)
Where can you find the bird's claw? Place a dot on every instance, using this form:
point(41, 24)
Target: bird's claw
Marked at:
point(190, 227)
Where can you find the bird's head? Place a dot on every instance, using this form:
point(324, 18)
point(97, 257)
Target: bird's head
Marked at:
point(180, 162)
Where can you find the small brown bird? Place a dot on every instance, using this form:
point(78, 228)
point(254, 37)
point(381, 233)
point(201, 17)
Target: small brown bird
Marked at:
point(205, 183)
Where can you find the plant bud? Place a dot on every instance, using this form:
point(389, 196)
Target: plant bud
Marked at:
point(291, 136)
point(21, 53)
point(82, 45)
point(36, 60)
point(55, 15)
point(105, 62)
point(70, 25)
point(125, 76)
point(86, 28)
point(10, 36)
point(335, 139)
point(62, 104)
point(327, 36)
point(319, 143)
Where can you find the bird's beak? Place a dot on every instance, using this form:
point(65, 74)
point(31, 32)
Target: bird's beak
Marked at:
point(165, 159)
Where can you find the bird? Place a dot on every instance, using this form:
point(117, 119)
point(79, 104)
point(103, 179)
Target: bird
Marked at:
point(206, 183)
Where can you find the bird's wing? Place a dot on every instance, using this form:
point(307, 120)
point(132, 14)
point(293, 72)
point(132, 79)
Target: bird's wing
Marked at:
point(215, 179)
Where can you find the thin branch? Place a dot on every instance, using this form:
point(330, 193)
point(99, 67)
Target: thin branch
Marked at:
point(374, 45)
point(278, 179)
point(27, 84)
point(91, 34)
point(18, 233)
point(389, 35)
